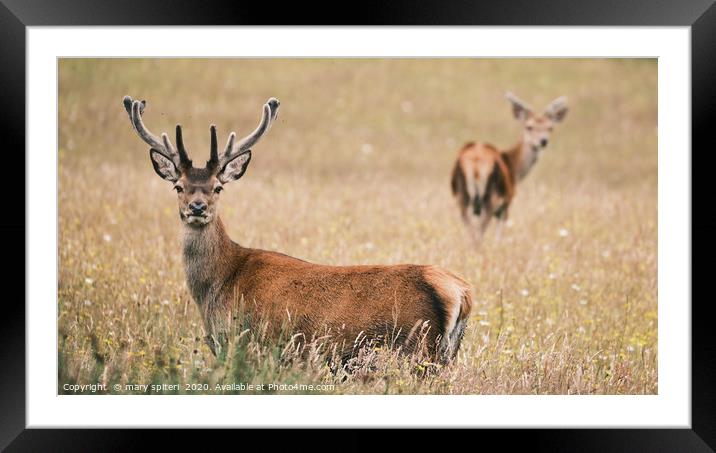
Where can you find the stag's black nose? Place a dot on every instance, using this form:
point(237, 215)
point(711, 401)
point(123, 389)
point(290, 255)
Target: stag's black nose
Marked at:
point(197, 207)
point(543, 142)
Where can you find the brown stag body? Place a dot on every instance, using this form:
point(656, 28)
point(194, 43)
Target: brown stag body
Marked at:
point(350, 304)
point(484, 178)
point(381, 303)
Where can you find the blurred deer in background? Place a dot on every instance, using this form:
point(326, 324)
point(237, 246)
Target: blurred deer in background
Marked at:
point(387, 304)
point(484, 178)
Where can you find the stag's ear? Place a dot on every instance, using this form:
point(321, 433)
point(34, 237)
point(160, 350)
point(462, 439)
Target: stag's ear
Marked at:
point(164, 166)
point(235, 168)
point(557, 109)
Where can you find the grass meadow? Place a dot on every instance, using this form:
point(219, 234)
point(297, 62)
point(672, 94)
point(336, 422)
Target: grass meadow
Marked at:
point(357, 171)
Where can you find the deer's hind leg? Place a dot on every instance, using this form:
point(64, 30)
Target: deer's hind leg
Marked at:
point(484, 220)
point(480, 207)
point(468, 199)
point(475, 217)
point(501, 213)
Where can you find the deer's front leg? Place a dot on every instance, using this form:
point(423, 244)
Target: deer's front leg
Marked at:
point(217, 325)
point(209, 340)
point(217, 343)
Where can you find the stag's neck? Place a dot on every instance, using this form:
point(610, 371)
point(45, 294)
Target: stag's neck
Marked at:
point(519, 159)
point(209, 258)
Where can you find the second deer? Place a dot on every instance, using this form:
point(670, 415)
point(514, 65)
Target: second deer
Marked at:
point(484, 178)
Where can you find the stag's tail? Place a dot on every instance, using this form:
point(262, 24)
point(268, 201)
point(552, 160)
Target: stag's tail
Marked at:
point(456, 296)
point(458, 332)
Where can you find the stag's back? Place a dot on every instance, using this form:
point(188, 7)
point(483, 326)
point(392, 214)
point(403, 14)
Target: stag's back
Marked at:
point(384, 303)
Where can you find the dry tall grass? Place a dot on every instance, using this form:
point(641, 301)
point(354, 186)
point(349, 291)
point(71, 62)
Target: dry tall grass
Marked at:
point(356, 171)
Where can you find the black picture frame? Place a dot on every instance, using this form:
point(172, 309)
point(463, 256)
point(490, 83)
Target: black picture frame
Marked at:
point(700, 15)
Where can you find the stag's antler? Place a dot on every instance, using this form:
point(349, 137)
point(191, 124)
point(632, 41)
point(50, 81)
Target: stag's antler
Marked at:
point(135, 110)
point(235, 148)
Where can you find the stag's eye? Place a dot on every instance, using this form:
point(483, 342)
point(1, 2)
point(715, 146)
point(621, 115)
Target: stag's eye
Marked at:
point(529, 128)
point(218, 189)
point(179, 189)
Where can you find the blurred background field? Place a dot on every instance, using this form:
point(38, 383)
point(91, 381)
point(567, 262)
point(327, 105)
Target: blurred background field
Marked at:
point(356, 171)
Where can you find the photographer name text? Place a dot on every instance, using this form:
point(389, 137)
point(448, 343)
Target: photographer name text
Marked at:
point(196, 388)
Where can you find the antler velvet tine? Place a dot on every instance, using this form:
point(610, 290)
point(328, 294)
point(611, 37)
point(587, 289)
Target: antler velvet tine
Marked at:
point(233, 149)
point(214, 150)
point(184, 159)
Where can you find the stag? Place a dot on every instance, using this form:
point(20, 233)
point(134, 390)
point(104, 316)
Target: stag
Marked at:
point(380, 304)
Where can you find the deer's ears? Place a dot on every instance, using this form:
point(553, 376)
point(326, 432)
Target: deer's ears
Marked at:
point(235, 168)
point(520, 109)
point(164, 166)
point(557, 109)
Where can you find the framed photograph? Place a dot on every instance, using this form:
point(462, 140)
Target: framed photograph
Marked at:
point(484, 221)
